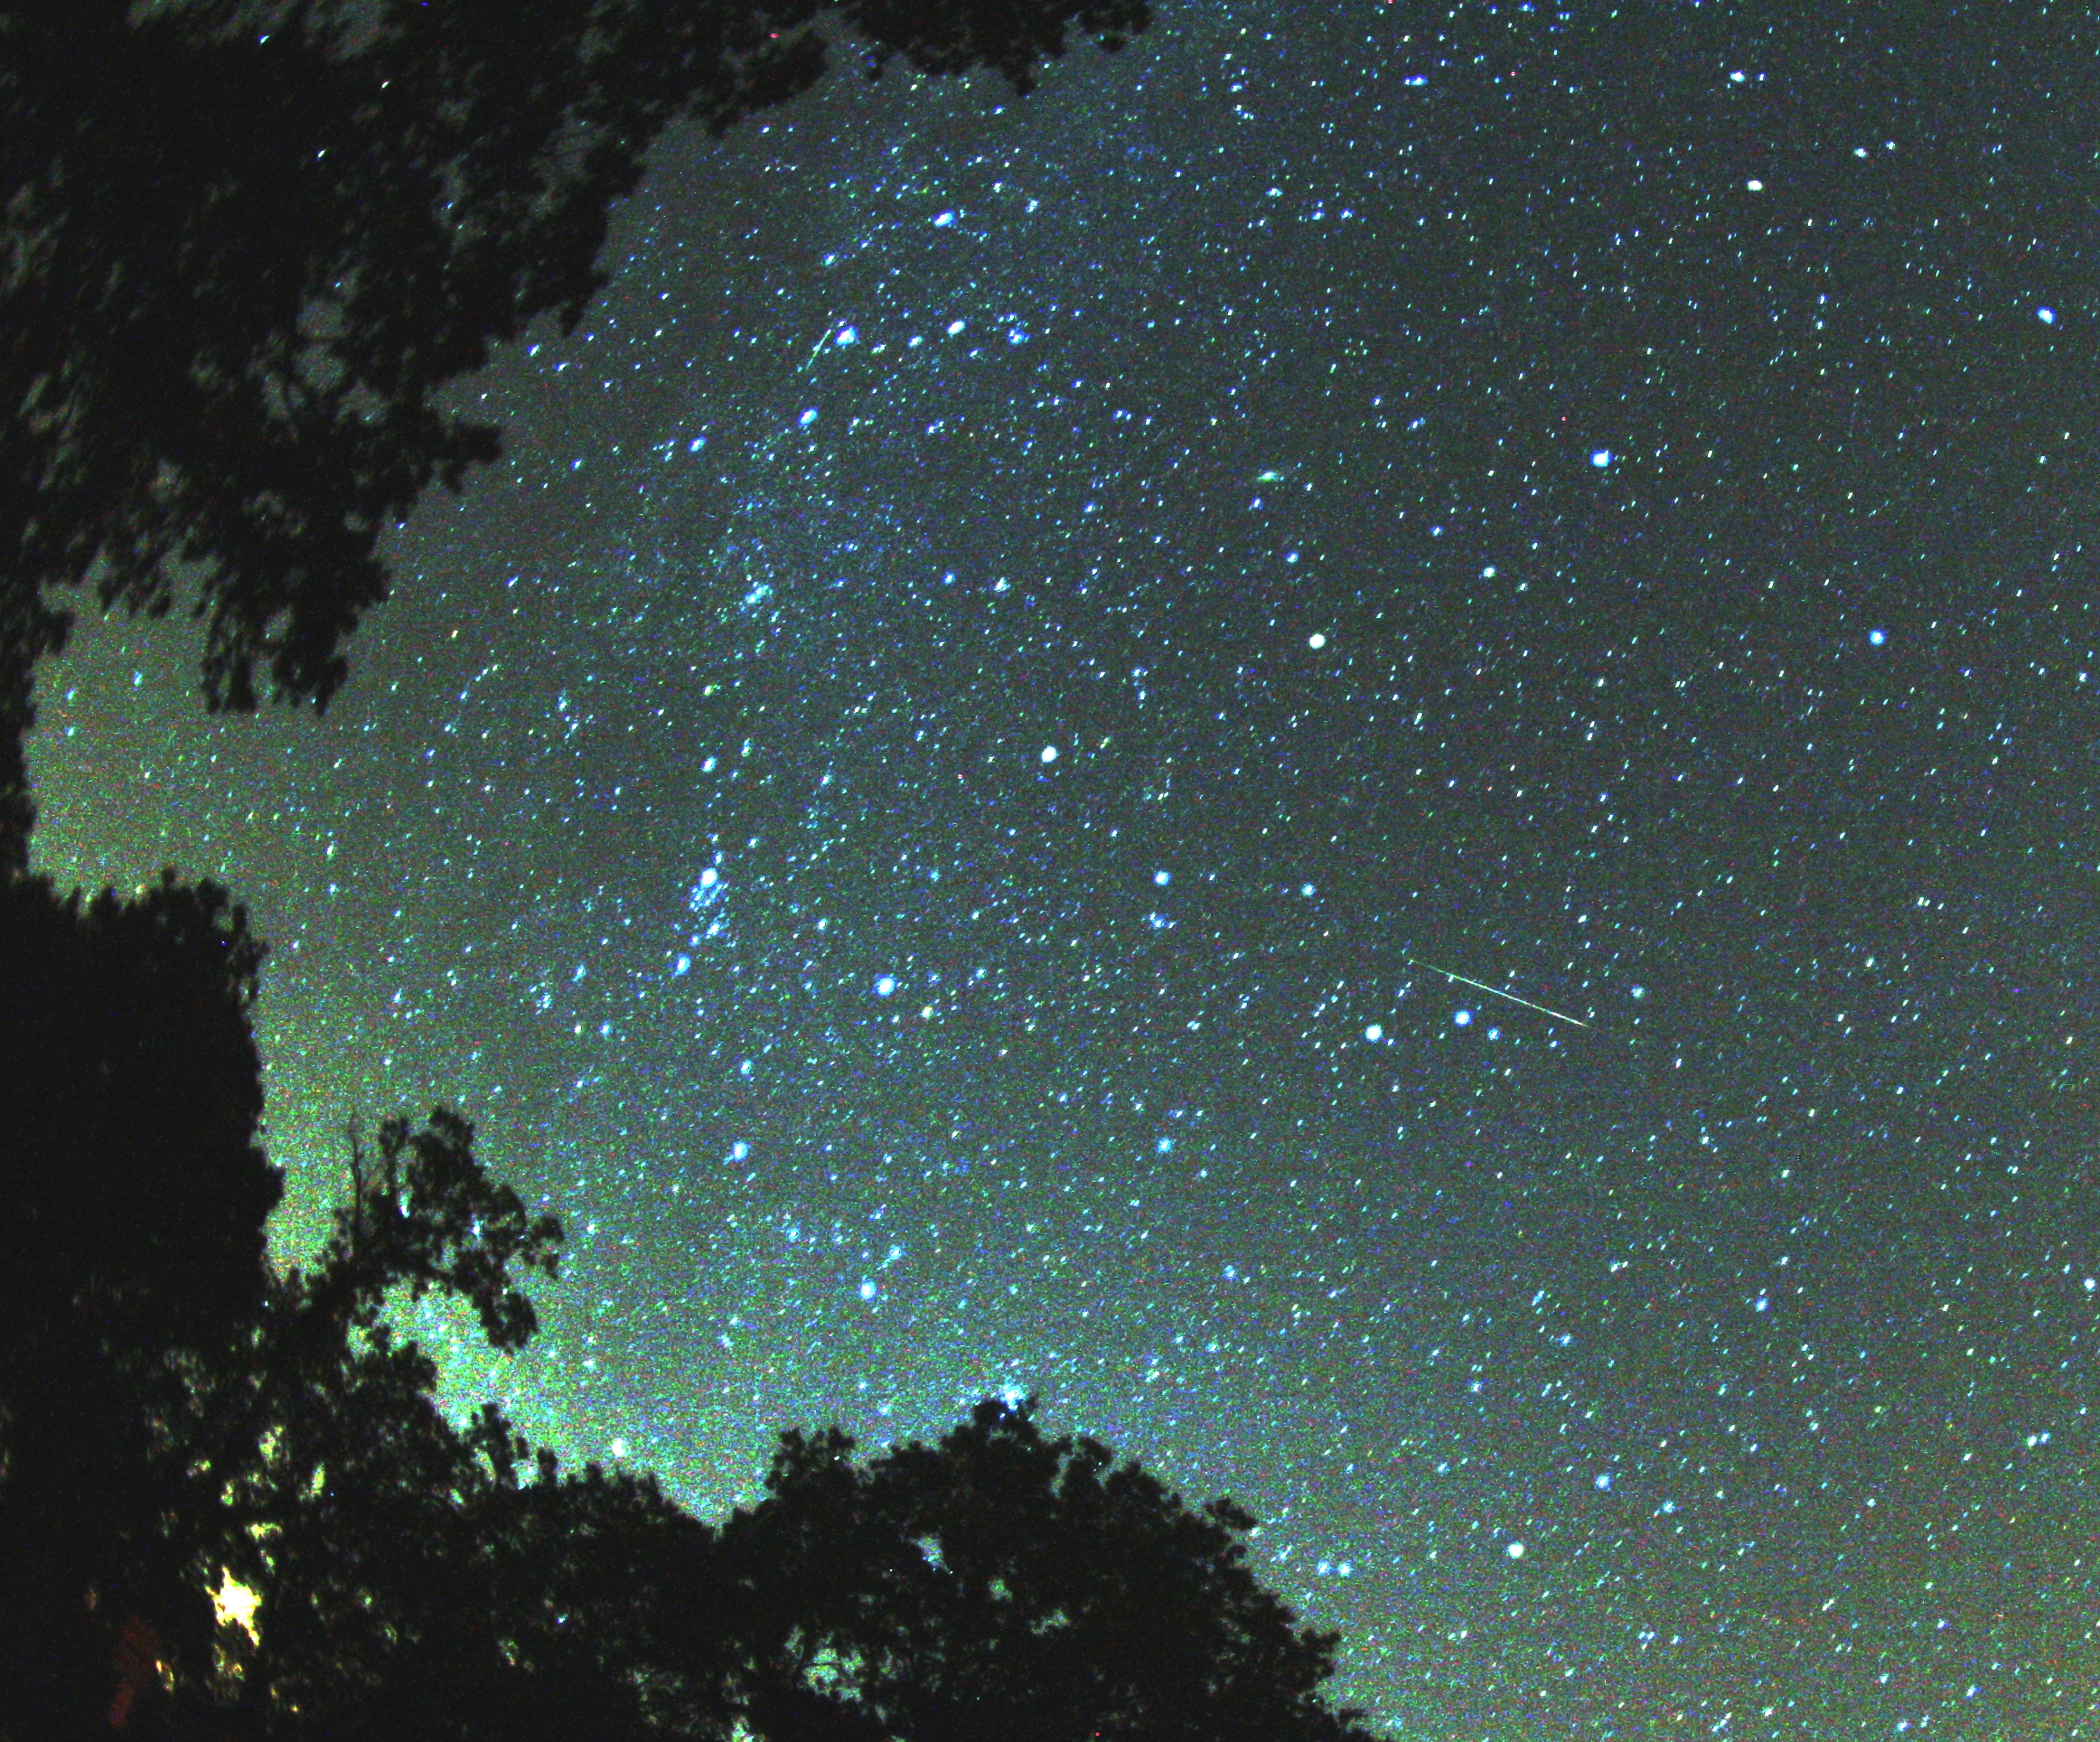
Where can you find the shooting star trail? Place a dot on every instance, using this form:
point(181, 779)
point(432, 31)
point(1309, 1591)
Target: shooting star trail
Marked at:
point(1495, 992)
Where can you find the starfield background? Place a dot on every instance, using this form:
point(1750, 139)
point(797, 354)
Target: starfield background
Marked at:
point(916, 806)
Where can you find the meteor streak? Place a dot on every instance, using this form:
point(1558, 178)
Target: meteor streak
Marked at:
point(1495, 992)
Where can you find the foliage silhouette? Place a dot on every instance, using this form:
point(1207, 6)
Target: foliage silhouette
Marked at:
point(321, 1474)
point(170, 1405)
point(244, 243)
point(1001, 1585)
point(997, 1584)
point(132, 1241)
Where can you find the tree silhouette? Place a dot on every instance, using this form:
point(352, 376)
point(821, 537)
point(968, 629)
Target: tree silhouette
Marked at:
point(318, 1468)
point(173, 1409)
point(1004, 1585)
point(131, 1242)
point(243, 243)
point(998, 1585)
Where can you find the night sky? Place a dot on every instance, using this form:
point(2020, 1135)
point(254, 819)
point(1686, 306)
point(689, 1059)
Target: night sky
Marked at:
point(924, 807)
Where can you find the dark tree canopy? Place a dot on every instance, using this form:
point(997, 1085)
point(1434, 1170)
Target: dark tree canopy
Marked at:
point(131, 1230)
point(132, 1091)
point(164, 1392)
point(293, 1445)
point(999, 1586)
point(1011, 1587)
point(243, 243)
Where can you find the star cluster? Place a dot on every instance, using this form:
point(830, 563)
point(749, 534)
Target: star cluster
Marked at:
point(931, 805)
